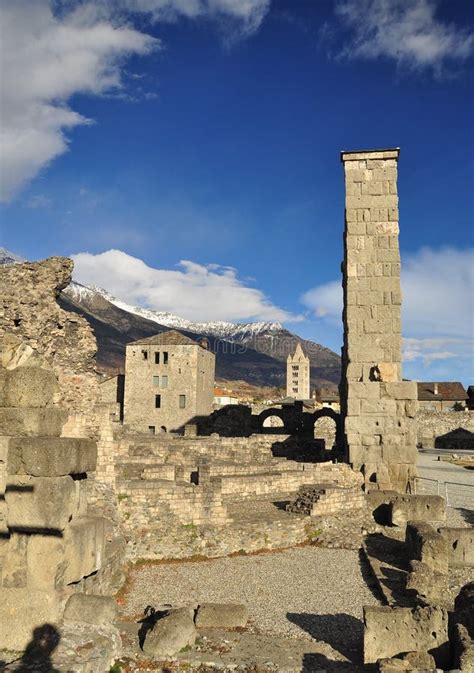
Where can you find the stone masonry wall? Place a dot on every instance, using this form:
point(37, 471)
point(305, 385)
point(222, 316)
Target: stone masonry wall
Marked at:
point(377, 406)
point(29, 310)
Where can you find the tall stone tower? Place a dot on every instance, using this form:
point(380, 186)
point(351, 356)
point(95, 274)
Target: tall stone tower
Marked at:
point(377, 406)
point(297, 375)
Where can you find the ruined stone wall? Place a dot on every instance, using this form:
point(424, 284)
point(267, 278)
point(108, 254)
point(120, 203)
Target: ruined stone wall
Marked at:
point(432, 424)
point(377, 406)
point(29, 310)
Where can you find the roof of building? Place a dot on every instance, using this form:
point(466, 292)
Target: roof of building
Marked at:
point(168, 338)
point(447, 390)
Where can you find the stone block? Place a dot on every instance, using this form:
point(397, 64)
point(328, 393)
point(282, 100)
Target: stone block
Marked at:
point(463, 628)
point(460, 546)
point(27, 387)
point(402, 390)
point(22, 611)
point(427, 585)
point(51, 456)
point(90, 609)
point(29, 421)
point(45, 562)
point(84, 541)
point(13, 572)
point(38, 503)
point(170, 635)
point(427, 545)
point(221, 616)
point(427, 508)
point(389, 632)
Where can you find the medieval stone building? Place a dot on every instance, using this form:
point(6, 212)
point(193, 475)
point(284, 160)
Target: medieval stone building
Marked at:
point(297, 375)
point(169, 379)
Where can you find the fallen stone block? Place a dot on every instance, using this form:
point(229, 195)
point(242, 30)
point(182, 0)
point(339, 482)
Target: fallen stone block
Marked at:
point(426, 544)
point(427, 508)
point(462, 633)
point(23, 610)
point(389, 632)
point(39, 503)
point(170, 634)
point(29, 421)
point(51, 456)
point(27, 387)
point(90, 609)
point(460, 546)
point(410, 662)
point(86, 648)
point(427, 585)
point(84, 541)
point(221, 616)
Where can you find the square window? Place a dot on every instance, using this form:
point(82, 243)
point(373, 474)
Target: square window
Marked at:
point(164, 381)
point(182, 401)
point(157, 401)
point(157, 358)
point(151, 429)
point(156, 381)
point(145, 355)
point(165, 358)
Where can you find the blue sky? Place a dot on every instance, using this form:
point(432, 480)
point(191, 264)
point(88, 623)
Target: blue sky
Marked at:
point(209, 131)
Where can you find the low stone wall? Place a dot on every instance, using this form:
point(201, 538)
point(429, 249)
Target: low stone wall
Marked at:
point(432, 424)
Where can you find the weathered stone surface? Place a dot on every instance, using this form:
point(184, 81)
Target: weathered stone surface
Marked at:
point(170, 634)
point(22, 610)
point(84, 541)
point(86, 648)
point(460, 546)
point(427, 545)
point(30, 421)
point(221, 616)
point(38, 503)
point(427, 585)
point(389, 632)
point(45, 563)
point(13, 572)
point(51, 457)
point(27, 387)
point(90, 609)
point(62, 337)
point(428, 508)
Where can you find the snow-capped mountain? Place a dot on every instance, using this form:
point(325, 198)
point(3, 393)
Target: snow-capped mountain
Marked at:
point(7, 257)
point(231, 331)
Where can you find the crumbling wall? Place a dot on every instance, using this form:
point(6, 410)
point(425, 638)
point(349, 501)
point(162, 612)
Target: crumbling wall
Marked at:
point(433, 424)
point(29, 310)
point(52, 543)
point(377, 406)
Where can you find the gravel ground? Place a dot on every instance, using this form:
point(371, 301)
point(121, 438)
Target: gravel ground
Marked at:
point(305, 592)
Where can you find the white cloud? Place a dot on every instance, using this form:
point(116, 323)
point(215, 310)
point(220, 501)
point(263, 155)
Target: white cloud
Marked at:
point(45, 61)
point(49, 56)
point(406, 31)
point(437, 309)
point(194, 291)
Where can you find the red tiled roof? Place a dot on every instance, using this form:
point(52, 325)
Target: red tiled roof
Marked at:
point(447, 390)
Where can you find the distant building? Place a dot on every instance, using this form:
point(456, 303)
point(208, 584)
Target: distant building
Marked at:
point(297, 375)
point(169, 379)
point(441, 396)
point(222, 397)
point(328, 397)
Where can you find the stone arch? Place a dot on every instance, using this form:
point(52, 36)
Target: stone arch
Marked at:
point(269, 413)
point(273, 421)
point(327, 412)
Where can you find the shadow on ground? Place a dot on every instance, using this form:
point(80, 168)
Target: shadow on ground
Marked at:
point(342, 632)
